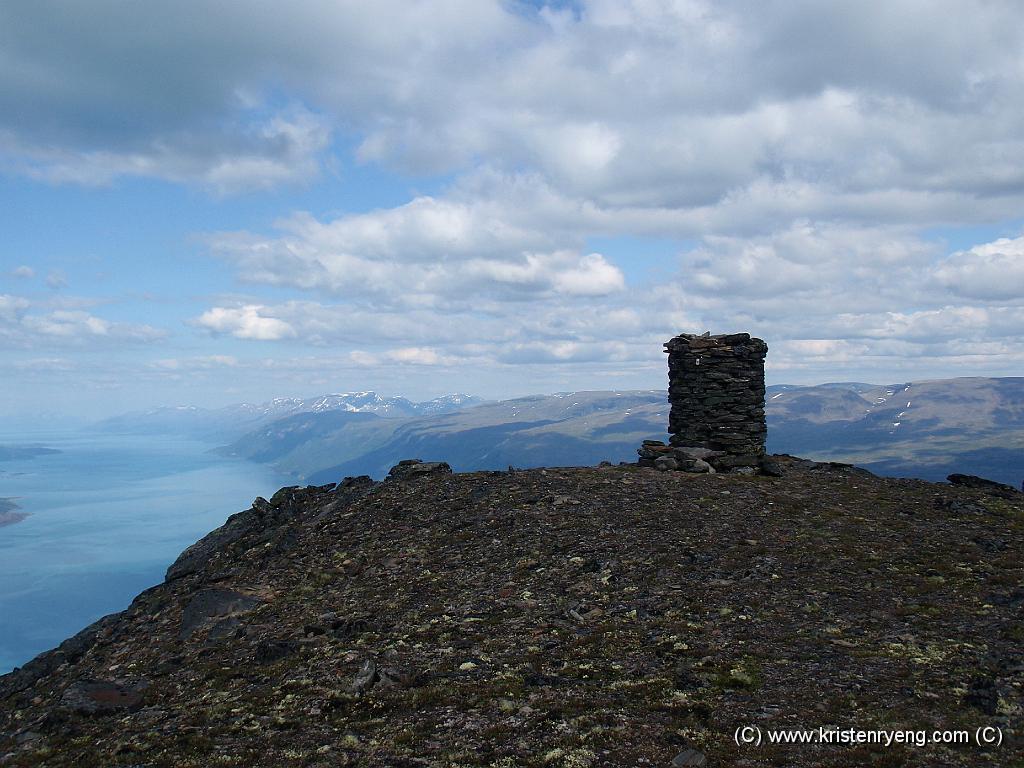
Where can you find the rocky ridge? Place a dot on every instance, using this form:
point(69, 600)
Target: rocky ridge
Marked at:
point(608, 616)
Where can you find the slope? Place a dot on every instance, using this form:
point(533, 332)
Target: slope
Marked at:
point(559, 618)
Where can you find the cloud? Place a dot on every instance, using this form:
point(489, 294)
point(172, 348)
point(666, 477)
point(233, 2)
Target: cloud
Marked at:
point(795, 156)
point(415, 356)
point(23, 272)
point(281, 150)
point(12, 308)
point(22, 325)
point(988, 272)
point(193, 364)
point(606, 103)
point(246, 322)
point(420, 253)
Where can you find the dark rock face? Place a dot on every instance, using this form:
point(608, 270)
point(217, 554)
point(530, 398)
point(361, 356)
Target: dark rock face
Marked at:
point(413, 467)
point(991, 486)
point(210, 605)
point(98, 697)
point(716, 390)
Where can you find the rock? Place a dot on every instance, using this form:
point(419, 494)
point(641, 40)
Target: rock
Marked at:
point(689, 758)
point(698, 466)
point(261, 516)
point(208, 604)
point(224, 628)
point(980, 483)
point(690, 453)
point(770, 467)
point(411, 467)
point(429, 467)
point(743, 471)
point(737, 460)
point(982, 695)
point(366, 678)
point(665, 463)
point(653, 451)
point(99, 697)
point(269, 651)
point(283, 495)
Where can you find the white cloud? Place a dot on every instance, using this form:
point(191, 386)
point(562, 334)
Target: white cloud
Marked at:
point(419, 254)
point(802, 152)
point(12, 308)
point(246, 322)
point(990, 271)
point(284, 149)
point(191, 364)
point(417, 356)
point(22, 324)
point(23, 272)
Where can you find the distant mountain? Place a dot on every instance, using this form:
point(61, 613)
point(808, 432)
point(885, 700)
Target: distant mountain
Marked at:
point(565, 428)
point(229, 422)
point(574, 428)
point(925, 429)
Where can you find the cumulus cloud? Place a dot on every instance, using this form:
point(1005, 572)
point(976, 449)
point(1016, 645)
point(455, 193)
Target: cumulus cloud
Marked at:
point(797, 155)
point(24, 272)
point(989, 271)
point(626, 103)
point(283, 149)
point(245, 322)
point(24, 325)
point(419, 253)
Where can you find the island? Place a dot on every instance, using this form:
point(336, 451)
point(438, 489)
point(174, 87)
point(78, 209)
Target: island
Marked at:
point(9, 514)
point(29, 451)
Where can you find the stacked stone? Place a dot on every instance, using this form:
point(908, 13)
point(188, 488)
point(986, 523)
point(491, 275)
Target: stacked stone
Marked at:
point(716, 390)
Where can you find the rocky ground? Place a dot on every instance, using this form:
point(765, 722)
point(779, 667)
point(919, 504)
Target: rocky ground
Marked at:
point(613, 616)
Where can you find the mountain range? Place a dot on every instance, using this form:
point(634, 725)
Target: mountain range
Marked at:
point(235, 420)
point(925, 429)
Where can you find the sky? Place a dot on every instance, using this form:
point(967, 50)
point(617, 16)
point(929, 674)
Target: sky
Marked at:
point(205, 203)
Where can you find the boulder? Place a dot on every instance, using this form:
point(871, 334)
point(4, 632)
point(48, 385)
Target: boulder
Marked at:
point(665, 463)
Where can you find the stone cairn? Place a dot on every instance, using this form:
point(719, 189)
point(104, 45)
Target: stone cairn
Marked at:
point(716, 390)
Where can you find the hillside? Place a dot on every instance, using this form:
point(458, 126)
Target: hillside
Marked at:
point(612, 616)
point(925, 429)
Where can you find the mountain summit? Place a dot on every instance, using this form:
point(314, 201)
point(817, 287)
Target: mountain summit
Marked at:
point(610, 616)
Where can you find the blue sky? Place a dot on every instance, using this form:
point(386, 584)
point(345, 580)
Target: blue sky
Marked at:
point(205, 203)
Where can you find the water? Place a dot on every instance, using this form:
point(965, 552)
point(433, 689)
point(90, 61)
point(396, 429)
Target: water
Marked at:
point(107, 516)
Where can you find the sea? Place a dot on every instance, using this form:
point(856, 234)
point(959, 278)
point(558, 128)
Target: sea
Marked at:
point(105, 517)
